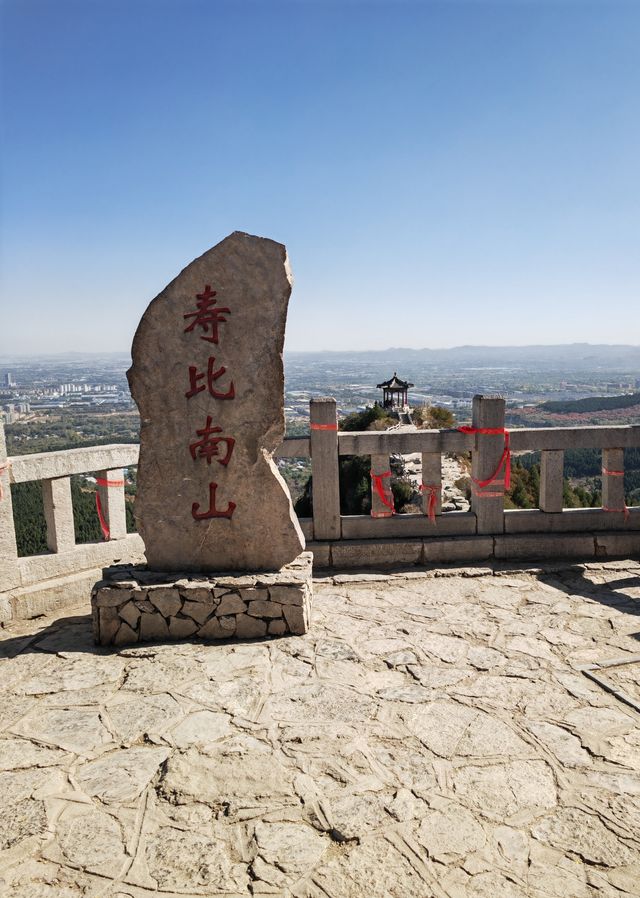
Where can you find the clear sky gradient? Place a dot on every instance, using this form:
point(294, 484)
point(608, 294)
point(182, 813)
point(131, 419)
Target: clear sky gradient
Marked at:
point(442, 173)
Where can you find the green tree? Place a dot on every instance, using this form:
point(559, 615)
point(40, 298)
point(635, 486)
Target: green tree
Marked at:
point(28, 516)
point(433, 417)
point(364, 420)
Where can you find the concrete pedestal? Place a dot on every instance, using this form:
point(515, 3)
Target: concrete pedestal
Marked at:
point(133, 604)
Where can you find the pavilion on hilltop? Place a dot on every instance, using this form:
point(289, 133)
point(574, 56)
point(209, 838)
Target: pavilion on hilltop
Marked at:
point(395, 392)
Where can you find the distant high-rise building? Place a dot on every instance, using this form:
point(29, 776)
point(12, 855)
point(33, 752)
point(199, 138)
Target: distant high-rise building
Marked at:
point(8, 380)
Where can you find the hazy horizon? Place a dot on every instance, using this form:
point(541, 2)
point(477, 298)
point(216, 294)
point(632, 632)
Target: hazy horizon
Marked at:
point(388, 349)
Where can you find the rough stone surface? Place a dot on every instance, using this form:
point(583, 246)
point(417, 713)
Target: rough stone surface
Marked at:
point(294, 616)
point(231, 604)
point(250, 627)
point(451, 832)
point(212, 629)
point(109, 621)
point(125, 635)
point(199, 611)
point(91, 840)
point(228, 623)
point(120, 776)
point(197, 594)
point(433, 736)
point(149, 611)
point(253, 594)
point(181, 627)
point(166, 599)
point(130, 614)
point(153, 626)
point(286, 595)
point(260, 608)
point(189, 369)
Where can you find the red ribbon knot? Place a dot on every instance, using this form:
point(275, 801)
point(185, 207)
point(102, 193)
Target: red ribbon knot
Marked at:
point(385, 497)
point(505, 459)
point(432, 503)
point(102, 481)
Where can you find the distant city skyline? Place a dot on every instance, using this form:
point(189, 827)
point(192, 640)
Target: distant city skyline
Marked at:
point(442, 173)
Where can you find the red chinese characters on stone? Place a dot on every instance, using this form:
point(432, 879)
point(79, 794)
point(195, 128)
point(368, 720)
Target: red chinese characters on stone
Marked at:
point(208, 315)
point(211, 376)
point(208, 446)
point(212, 512)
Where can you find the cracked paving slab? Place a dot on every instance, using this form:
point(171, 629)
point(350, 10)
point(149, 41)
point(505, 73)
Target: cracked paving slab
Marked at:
point(432, 735)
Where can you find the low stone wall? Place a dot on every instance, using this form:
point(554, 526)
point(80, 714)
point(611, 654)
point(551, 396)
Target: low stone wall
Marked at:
point(133, 604)
point(381, 553)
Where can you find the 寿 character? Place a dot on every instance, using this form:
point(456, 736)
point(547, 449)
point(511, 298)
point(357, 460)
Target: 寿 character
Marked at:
point(207, 447)
point(212, 375)
point(213, 512)
point(207, 315)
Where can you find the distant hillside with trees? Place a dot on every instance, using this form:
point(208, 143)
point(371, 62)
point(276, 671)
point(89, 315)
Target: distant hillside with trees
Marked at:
point(592, 403)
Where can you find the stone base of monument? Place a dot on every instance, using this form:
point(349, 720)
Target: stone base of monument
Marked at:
point(133, 604)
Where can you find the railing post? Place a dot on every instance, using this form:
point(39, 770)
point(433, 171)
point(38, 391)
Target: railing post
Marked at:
point(551, 480)
point(432, 481)
point(111, 494)
point(613, 480)
point(381, 484)
point(58, 513)
point(9, 573)
point(488, 502)
point(324, 469)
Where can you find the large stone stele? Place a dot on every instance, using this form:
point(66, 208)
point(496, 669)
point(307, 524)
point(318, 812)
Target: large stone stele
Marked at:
point(175, 353)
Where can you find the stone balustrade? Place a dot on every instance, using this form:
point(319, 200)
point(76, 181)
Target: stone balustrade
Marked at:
point(32, 585)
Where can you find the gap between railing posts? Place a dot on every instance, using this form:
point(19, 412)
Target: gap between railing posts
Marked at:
point(325, 469)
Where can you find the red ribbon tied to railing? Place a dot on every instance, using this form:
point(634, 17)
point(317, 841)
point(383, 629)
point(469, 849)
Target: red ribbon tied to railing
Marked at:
point(505, 458)
point(432, 502)
point(385, 497)
point(624, 510)
point(101, 481)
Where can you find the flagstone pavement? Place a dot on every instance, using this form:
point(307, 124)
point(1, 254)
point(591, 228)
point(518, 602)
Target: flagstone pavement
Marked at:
point(433, 735)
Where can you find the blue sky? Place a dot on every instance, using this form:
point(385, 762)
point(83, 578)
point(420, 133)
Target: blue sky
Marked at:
point(441, 173)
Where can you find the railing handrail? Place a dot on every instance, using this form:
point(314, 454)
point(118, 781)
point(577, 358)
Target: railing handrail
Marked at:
point(596, 436)
point(65, 462)
point(83, 459)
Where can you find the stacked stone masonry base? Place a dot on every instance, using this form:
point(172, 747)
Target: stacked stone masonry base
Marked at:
point(133, 604)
